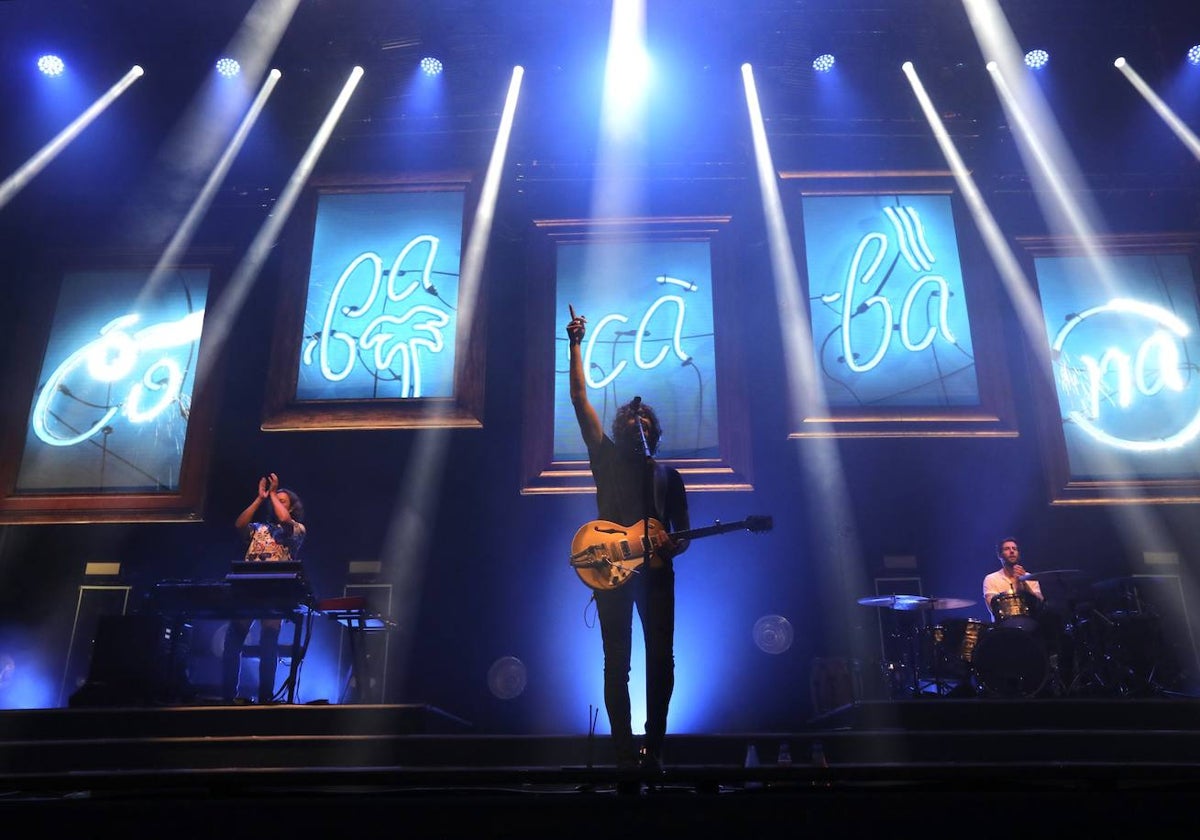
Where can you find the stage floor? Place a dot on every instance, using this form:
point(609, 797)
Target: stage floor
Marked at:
point(909, 767)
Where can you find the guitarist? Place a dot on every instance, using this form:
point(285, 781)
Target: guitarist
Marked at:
point(631, 486)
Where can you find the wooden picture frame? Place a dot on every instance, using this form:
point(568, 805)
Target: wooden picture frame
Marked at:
point(712, 448)
point(340, 357)
point(917, 352)
point(121, 402)
point(1119, 418)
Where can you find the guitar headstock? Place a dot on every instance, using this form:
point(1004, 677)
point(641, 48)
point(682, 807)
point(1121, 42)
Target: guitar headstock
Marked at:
point(758, 524)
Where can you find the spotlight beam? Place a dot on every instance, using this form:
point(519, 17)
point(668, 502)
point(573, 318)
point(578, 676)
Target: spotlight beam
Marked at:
point(31, 168)
point(183, 235)
point(1041, 155)
point(1063, 210)
point(1063, 195)
point(1185, 134)
point(1019, 288)
point(407, 543)
point(485, 213)
point(217, 329)
point(835, 536)
point(626, 69)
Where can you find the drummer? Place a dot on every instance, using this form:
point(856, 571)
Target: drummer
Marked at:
point(1004, 586)
point(1020, 604)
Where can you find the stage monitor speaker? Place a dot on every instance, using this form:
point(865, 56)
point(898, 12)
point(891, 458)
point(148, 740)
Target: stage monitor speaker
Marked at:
point(94, 601)
point(136, 660)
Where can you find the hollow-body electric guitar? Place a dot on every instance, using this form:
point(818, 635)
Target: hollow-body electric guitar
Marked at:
point(605, 555)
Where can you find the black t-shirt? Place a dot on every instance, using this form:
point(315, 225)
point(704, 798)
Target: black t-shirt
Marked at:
point(622, 483)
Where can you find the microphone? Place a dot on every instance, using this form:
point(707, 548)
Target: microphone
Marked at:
point(635, 405)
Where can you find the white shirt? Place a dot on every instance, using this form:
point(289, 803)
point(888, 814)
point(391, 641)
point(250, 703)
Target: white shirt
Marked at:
point(998, 583)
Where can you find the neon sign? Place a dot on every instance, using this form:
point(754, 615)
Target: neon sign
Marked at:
point(639, 341)
point(893, 330)
point(380, 317)
point(1155, 364)
point(112, 408)
point(650, 333)
point(385, 334)
point(1124, 366)
point(110, 359)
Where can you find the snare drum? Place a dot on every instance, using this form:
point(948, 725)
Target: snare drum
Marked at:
point(1015, 610)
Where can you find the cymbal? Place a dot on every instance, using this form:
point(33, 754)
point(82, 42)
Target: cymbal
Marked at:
point(1052, 574)
point(1116, 583)
point(950, 603)
point(897, 602)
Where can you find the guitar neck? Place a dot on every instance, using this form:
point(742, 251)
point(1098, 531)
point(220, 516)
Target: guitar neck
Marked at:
point(709, 531)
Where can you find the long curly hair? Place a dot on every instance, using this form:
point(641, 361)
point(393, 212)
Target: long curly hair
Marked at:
point(622, 420)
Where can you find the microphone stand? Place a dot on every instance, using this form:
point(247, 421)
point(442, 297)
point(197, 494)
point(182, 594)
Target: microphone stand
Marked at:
point(647, 486)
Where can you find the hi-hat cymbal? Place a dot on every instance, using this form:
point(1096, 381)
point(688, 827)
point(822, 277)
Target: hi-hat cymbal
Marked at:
point(897, 602)
point(1053, 574)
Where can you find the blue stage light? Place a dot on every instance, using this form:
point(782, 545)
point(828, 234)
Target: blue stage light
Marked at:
point(823, 63)
point(51, 65)
point(1036, 59)
point(228, 67)
point(430, 66)
point(1193, 55)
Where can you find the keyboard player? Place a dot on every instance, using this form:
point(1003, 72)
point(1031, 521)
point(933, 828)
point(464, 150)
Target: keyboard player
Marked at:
point(274, 532)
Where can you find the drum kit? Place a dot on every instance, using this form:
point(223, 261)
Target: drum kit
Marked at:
point(1031, 649)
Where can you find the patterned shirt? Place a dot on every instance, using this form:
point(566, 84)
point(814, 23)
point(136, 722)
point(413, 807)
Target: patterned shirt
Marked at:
point(272, 541)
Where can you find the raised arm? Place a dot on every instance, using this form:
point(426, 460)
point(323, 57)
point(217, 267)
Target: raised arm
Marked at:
point(268, 488)
point(247, 516)
point(283, 514)
point(585, 414)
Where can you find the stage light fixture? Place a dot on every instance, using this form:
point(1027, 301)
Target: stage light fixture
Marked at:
point(1193, 55)
point(430, 66)
point(228, 67)
point(51, 65)
point(823, 63)
point(1036, 59)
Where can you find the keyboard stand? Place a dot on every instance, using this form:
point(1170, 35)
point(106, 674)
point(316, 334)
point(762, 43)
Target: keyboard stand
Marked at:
point(351, 612)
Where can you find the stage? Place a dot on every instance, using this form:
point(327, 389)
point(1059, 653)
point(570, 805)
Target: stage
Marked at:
point(930, 764)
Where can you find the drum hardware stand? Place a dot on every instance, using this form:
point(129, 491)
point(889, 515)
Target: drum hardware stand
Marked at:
point(941, 686)
point(1091, 659)
point(938, 651)
point(907, 603)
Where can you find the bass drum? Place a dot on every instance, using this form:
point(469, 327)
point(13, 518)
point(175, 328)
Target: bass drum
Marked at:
point(1010, 662)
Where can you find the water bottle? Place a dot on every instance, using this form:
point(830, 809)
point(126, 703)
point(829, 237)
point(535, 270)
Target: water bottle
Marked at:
point(821, 762)
point(818, 755)
point(785, 754)
point(752, 762)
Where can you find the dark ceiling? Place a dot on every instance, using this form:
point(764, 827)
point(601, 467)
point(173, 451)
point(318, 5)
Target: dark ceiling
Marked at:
point(700, 120)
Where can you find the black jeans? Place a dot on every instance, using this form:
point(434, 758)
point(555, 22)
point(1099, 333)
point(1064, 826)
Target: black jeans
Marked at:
point(653, 592)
